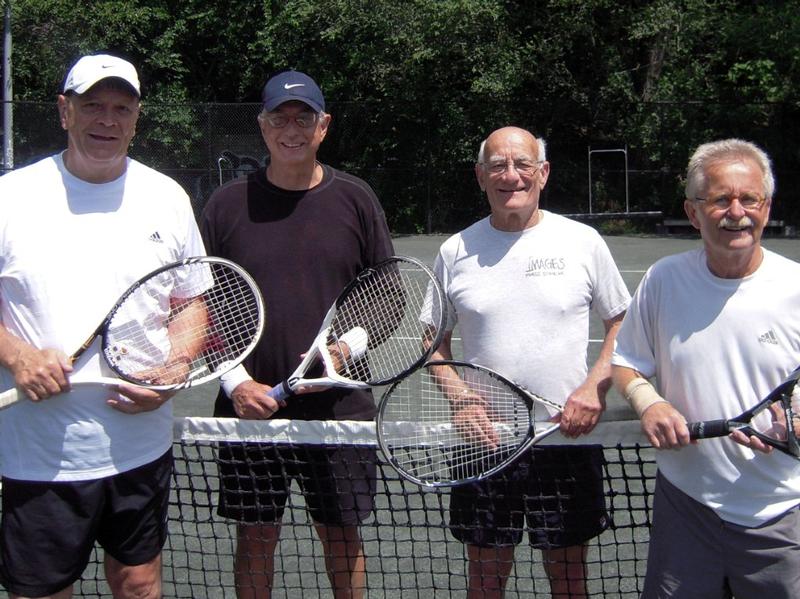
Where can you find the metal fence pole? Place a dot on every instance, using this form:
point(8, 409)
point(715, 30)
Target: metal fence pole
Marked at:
point(8, 105)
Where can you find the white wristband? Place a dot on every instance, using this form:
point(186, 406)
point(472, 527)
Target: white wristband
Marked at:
point(357, 340)
point(230, 380)
point(641, 394)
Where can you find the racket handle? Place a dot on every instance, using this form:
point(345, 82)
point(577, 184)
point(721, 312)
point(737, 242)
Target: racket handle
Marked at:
point(708, 429)
point(9, 398)
point(281, 393)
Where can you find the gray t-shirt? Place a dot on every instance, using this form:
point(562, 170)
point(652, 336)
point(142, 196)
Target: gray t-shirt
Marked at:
point(523, 300)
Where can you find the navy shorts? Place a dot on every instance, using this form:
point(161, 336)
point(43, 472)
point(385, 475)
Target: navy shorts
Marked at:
point(49, 529)
point(558, 489)
point(337, 482)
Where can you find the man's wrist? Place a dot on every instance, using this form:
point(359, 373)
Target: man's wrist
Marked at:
point(641, 395)
point(230, 380)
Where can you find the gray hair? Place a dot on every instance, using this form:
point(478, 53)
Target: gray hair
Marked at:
point(723, 150)
point(542, 156)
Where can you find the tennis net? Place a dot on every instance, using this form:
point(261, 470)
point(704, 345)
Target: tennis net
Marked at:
point(410, 551)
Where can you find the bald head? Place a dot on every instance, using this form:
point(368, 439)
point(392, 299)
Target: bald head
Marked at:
point(514, 134)
point(512, 170)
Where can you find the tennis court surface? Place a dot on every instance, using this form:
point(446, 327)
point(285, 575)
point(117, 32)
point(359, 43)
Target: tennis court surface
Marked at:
point(410, 550)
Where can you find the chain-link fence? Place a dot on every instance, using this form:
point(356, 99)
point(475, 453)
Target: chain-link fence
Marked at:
point(410, 165)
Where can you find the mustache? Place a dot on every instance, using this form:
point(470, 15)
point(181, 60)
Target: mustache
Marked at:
point(743, 222)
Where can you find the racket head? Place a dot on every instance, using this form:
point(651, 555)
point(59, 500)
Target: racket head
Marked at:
point(426, 423)
point(184, 324)
point(775, 420)
point(390, 317)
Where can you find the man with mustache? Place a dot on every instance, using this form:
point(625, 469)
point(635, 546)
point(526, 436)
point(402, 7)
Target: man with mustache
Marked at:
point(718, 327)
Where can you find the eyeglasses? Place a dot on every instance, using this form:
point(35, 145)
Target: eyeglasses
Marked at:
point(304, 120)
point(523, 167)
point(748, 201)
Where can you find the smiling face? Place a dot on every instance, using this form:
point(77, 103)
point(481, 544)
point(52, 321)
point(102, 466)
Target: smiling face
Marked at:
point(512, 177)
point(100, 125)
point(731, 215)
point(290, 145)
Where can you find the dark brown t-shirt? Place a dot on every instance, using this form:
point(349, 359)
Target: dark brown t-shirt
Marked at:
point(302, 247)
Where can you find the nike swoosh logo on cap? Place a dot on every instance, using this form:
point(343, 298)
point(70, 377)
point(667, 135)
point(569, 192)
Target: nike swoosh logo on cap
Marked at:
point(291, 85)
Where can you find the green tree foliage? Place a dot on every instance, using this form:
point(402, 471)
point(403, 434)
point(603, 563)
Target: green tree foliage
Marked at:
point(414, 85)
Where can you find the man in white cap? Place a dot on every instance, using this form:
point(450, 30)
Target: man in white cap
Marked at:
point(304, 230)
point(85, 464)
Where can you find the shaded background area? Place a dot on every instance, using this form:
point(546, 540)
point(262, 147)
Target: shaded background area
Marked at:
point(204, 145)
point(415, 86)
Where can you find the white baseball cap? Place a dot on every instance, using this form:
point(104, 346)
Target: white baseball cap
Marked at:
point(91, 69)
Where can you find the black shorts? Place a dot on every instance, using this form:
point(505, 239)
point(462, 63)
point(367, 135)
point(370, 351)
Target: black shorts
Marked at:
point(337, 482)
point(49, 529)
point(559, 489)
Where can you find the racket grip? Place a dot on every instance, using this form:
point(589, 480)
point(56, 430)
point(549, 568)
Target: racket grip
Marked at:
point(281, 393)
point(9, 398)
point(708, 429)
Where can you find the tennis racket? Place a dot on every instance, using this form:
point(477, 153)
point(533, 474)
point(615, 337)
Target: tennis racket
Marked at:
point(384, 324)
point(452, 423)
point(775, 420)
point(183, 324)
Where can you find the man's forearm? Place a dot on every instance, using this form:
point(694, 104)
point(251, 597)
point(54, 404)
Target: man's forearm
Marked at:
point(600, 374)
point(11, 347)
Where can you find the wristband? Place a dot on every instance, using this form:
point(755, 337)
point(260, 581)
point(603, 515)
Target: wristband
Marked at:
point(641, 394)
point(357, 340)
point(230, 380)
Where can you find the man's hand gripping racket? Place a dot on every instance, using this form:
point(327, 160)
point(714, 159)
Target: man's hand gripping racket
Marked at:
point(452, 423)
point(775, 420)
point(383, 325)
point(181, 325)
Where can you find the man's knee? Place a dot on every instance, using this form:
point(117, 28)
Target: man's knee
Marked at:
point(142, 581)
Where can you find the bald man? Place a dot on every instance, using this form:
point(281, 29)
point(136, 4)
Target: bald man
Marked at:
point(521, 284)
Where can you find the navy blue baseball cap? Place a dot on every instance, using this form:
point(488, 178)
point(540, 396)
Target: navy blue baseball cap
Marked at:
point(292, 85)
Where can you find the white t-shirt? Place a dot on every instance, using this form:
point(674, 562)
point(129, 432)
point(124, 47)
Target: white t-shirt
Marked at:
point(716, 347)
point(68, 249)
point(523, 300)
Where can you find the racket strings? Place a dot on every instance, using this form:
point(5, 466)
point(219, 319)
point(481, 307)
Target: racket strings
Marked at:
point(392, 306)
point(794, 405)
point(775, 420)
point(183, 324)
point(452, 426)
point(235, 316)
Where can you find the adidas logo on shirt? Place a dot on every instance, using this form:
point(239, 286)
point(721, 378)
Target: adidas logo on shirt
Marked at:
point(156, 237)
point(768, 337)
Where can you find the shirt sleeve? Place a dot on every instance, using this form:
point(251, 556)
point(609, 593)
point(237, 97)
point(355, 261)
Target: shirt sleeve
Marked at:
point(611, 295)
point(207, 229)
point(634, 347)
point(193, 242)
point(442, 273)
point(379, 238)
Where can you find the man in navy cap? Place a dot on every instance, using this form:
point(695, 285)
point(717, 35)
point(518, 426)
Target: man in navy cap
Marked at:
point(304, 230)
